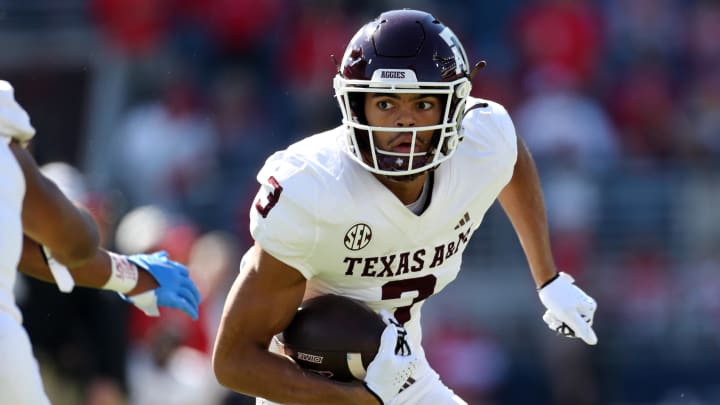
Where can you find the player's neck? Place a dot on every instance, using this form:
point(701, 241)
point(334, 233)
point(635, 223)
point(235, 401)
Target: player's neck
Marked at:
point(406, 191)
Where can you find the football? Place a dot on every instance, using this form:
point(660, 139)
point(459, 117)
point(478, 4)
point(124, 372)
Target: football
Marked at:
point(334, 336)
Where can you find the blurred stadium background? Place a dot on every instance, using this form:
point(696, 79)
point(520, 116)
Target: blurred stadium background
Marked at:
point(157, 114)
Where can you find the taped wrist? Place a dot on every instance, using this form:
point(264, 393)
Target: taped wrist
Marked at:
point(123, 274)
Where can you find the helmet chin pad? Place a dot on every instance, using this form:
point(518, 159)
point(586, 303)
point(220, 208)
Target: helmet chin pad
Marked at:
point(391, 163)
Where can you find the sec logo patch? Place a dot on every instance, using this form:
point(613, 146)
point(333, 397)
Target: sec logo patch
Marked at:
point(357, 237)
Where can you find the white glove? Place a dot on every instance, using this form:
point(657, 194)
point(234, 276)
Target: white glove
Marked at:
point(569, 310)
point(14, 121)
point(393, 364)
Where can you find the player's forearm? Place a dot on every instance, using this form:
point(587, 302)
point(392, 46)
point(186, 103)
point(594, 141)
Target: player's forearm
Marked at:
point(92, 273)
point(82, 240)
point(49, 217)
point(276, 378)
point(522, 200)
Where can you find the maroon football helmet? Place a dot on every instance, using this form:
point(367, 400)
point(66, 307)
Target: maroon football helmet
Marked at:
point(402, 51)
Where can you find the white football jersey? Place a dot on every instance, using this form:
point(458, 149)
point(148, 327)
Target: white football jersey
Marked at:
point(12, 192)
point(333, 221)
point(20, 381)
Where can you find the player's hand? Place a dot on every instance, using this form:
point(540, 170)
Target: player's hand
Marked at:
point(175, 290)
point(570, 310)
point(394, 362)
point(14, 121)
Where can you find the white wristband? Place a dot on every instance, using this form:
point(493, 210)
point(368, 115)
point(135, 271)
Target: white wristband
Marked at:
point(123, 274)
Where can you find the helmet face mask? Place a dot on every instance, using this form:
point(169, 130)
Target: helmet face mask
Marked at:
point(402, 52)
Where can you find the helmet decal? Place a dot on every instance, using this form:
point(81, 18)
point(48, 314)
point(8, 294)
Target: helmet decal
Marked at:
point(457, 49)
point(390, 75)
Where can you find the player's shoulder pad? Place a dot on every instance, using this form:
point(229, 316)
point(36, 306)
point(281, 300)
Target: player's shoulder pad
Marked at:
point(312, 159)
point(489, 120)
point(293, 198)
point(14, 121)
point(290, 179)
point(304, 171)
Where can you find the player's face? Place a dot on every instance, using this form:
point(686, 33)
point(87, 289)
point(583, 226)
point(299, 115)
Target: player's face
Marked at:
point(402, 110)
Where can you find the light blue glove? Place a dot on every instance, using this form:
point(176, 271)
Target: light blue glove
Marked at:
point(176, 289)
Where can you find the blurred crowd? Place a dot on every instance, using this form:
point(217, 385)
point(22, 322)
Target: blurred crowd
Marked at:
point(619, 102)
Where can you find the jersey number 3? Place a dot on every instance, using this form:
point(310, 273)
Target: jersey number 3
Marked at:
point(272, 198)
point(425, 287)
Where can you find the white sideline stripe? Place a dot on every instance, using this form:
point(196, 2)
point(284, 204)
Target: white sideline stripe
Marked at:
point(354, 362)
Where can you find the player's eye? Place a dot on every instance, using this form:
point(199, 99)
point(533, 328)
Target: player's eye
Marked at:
point(425, 105)
point(384, 105)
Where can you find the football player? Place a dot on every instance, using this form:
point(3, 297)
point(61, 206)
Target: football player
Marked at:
point(45, 236)
point(381, 209)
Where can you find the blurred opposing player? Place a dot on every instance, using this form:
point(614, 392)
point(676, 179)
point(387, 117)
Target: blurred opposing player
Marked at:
point(45, 236)
point(381, 209)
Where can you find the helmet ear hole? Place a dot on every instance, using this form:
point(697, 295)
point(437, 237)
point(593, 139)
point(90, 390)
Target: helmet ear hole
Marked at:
point(463, 90)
